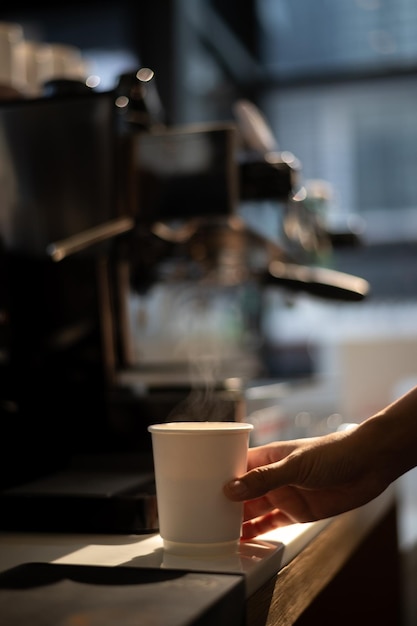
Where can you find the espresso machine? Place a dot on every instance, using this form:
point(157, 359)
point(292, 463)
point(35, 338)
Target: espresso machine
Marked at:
point(132, 258)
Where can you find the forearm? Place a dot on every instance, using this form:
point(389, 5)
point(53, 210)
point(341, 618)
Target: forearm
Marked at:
point(390, 436)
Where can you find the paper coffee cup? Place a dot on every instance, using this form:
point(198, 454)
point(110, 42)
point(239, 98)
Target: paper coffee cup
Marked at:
point(192, 462)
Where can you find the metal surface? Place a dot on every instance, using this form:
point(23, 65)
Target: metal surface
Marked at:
point(59, 250)
point(318, 281)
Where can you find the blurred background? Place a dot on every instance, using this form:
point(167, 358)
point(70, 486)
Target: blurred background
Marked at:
point(337, 85)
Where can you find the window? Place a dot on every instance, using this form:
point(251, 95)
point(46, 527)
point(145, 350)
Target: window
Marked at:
point(337, 81)
point(342, 96)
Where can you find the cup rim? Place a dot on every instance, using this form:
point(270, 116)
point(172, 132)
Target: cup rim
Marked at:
point(200, 427)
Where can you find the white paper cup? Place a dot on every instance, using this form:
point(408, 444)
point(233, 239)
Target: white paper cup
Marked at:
point(192, 462)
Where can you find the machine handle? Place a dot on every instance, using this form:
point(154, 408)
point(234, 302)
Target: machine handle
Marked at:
point(318, 281)
point(59, 250)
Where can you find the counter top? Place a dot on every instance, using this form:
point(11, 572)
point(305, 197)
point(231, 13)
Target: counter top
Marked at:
point(256, 560)
point(242, 574)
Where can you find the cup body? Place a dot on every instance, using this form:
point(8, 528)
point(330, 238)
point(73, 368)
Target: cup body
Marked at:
point(192, 462)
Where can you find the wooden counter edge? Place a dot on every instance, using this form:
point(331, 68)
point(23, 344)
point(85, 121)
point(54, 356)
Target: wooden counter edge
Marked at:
point(283, 599)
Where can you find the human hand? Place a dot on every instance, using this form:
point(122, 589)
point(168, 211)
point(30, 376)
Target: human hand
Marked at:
point(305, 480)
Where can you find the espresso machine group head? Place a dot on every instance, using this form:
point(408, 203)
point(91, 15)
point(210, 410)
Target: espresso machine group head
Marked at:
point(200, 197)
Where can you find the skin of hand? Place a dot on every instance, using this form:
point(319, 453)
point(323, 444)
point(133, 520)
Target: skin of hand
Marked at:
point(309, 479)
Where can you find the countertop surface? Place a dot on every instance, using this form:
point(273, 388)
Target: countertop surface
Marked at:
point(256, 560)
point(64, 576)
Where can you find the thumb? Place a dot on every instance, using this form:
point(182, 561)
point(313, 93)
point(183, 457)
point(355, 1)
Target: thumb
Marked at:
point(257, 482)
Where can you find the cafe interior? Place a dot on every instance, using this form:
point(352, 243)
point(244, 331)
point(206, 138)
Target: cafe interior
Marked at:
point(206, 209)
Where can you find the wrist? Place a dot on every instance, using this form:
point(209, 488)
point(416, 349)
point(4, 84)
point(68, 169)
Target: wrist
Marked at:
point(388, 441)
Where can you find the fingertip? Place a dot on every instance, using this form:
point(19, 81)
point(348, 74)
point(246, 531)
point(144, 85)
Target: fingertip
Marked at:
point(236, 489)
